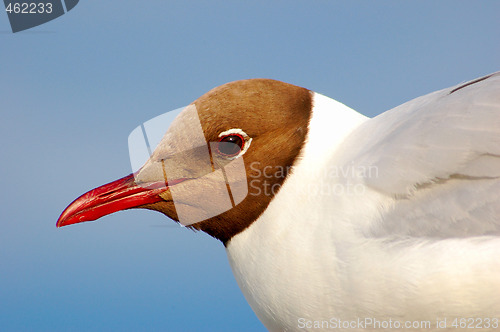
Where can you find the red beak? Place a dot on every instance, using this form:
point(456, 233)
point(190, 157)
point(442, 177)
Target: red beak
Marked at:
point(115, 196)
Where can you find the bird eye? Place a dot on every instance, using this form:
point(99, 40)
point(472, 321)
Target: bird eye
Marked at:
point(230, 145)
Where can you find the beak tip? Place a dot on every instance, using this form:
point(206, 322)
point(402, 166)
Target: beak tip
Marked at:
point(65, 217)
point(61, 222)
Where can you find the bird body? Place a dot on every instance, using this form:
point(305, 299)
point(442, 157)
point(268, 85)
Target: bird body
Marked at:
point(333, 251)
point(395, 218)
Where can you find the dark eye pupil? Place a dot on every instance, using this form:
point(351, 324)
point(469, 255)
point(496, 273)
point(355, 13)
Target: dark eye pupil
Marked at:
point(230, 145)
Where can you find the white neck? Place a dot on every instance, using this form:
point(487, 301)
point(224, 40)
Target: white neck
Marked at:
point(285, 240)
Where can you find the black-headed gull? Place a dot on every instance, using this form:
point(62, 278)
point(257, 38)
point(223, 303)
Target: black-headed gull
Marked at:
point(333, 219)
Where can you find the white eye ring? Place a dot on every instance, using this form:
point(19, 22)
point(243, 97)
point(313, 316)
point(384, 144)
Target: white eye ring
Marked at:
point(237, 131)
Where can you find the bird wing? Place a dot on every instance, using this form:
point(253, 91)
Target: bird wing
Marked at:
point(437, 160)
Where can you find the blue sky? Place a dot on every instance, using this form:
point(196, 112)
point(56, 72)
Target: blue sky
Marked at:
point(73, 89)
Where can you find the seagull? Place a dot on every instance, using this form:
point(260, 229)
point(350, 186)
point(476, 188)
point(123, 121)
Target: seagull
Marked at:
point(331, 219)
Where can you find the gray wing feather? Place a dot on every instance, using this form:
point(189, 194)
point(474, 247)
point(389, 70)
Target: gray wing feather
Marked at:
point(438, 156)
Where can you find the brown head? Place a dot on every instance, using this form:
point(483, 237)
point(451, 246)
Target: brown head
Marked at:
point(252, 133)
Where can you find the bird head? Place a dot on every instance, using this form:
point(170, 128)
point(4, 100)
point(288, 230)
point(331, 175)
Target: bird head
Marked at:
point(218, 165)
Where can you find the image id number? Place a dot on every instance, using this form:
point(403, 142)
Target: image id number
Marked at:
point(29, 8)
